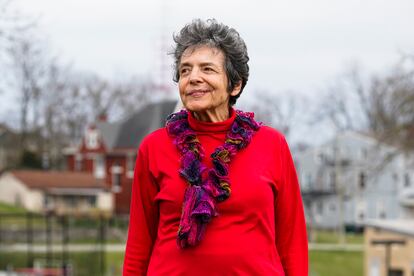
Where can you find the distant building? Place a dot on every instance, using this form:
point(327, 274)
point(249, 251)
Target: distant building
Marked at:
point(389, 247)
point(108, 150)
point(353, 178)
point(60, 192)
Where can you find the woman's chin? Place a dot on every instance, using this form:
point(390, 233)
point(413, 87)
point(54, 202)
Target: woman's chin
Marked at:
point(196, 107)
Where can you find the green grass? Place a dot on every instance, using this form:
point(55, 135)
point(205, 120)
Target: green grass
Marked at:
point(114, 261)
point(322, 236)
point(82, 263)
point(7, 208)
point(338, 263)
point(322, 263)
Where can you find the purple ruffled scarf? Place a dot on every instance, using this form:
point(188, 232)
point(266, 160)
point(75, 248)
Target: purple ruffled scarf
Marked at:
point(206, 187)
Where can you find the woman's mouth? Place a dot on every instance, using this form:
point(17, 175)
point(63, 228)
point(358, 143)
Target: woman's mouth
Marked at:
point(197, 93)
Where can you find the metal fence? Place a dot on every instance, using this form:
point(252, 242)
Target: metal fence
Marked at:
point(50, 244)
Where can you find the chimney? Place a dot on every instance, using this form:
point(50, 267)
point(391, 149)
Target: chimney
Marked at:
point(103, 117)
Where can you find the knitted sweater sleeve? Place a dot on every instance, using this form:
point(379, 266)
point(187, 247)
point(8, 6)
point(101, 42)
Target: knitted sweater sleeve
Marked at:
point(291, 238)
point(143, 221)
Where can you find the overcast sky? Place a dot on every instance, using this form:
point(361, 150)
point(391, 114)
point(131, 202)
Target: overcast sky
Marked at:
point(293, 45)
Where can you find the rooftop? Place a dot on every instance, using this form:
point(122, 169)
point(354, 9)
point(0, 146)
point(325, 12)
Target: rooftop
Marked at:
point(57, 179)
point(129, 132)
point(400, 226)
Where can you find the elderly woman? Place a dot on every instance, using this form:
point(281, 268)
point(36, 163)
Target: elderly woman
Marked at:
point(214, 192)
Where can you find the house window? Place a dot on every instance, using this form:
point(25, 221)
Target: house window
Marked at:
point(99, 166)
point(360, 211)
point(47, 201)
point(78, 163)
point(407, 180)
point(116, 171)
point(92, 139)
point(395, 177)
point(130, 165)
point(309, 179)
point(91, 200)
point(362, 180)
point(381, 209)
point(364, 153)
point(332, 180)
point(116, 182)
point(320, 157)
point(319, 208)
point(395, 272)
point(70, 201)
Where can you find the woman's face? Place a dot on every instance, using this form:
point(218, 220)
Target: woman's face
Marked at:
point(203, 81)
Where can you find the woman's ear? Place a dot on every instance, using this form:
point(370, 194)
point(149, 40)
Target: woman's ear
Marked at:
point(236, 89)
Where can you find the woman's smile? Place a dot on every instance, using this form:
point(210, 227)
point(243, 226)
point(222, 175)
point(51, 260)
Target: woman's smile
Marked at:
point(197, 93)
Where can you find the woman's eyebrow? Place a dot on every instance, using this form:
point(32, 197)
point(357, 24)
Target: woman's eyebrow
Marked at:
point(185, 64)
point(208, 64)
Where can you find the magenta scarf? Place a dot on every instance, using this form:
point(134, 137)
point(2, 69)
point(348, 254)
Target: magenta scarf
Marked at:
point(206, 187)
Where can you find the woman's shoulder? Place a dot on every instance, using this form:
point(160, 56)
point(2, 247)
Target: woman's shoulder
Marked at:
point(272, 133)
point(155, 138)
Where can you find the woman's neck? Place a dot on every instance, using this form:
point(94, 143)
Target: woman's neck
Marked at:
point(212, 116)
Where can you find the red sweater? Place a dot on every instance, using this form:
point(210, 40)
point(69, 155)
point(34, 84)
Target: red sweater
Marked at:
point(260, 229)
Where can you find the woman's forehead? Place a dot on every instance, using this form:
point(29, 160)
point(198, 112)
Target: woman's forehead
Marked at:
point(203, 51)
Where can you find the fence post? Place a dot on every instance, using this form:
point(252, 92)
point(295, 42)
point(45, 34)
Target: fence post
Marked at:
point(65, 239)
point(49, 255)
point(29, 231)
point(0, 230)
point(102, 238)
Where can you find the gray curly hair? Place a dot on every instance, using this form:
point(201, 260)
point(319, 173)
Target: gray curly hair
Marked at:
point(215, 35)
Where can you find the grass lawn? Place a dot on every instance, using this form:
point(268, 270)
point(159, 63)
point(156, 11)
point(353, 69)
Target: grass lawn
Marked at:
point(333, 237)
point(6, 208)
point(338, 263)
point(83, 263)
point(114, 261)
point(322, 263)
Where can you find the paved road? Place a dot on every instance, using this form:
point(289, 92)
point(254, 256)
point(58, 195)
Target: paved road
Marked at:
point(21, 247)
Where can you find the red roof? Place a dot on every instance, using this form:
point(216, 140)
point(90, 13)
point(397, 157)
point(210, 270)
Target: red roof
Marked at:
point(57, 179)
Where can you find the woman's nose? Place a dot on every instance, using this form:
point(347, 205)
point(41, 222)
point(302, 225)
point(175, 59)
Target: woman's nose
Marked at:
point(195, 76)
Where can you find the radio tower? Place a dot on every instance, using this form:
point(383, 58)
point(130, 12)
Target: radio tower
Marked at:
point(163, 82)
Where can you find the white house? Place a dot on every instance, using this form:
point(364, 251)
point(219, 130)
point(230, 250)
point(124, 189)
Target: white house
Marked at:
point(353, 178)
point(60, 192)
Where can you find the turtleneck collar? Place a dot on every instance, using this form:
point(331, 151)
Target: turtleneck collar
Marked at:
point(201, 126)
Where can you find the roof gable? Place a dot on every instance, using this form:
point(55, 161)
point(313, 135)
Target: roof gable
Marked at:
point(130, 132)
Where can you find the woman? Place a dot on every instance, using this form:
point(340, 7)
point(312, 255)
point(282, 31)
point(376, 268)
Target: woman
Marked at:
point(214, 192)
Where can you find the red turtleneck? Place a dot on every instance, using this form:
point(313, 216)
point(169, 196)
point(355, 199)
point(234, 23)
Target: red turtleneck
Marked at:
point(260, 229)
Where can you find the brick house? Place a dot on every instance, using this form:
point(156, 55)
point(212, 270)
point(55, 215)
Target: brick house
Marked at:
point(108, 150)
point(60, 192)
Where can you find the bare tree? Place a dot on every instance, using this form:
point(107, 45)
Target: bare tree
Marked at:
point(28, 66)
point(381, 105)
point(392, 107)
point(135, 91)
point(13, 24)
point(279, 111)
point(114, 98)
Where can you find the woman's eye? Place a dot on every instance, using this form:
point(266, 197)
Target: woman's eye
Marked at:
point(184, 71)
point(208, 69)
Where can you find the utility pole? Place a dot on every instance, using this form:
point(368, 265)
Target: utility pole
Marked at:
point(340, 190)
